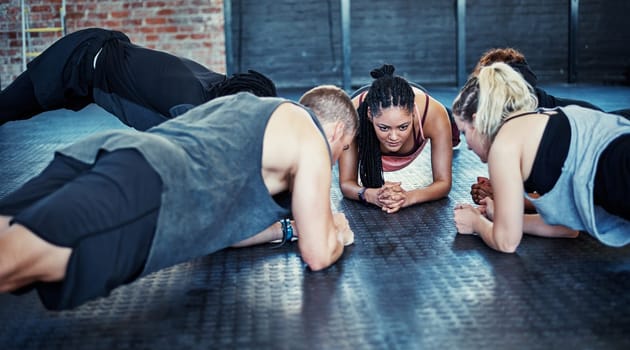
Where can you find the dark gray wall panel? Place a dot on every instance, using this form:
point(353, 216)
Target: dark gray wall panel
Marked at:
point(418, 37)
point(298, 43)
point(604, 41)
point(538, 28)
point(290, 40)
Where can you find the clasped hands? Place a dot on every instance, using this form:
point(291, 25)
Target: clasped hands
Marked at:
point(481, 189)
point(466, 215)
point(391, 197)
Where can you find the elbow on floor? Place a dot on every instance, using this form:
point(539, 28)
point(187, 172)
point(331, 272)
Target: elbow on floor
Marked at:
point(507, 247)
point(316, 263)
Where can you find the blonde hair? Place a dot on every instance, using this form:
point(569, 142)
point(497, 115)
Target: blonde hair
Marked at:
point(332, 104)
point(502, 91)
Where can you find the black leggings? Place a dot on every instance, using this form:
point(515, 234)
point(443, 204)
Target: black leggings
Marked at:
point(622, 112)
point(17, 101)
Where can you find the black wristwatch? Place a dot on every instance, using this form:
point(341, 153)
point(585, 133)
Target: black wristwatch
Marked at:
point(361, 194)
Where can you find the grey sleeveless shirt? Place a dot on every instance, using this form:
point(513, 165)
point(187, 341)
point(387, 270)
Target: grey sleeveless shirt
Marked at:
point(210, 162)
point(570, 202)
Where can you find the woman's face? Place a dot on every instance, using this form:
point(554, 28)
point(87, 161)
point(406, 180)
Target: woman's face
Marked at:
point(474, 140)
point(393, 126)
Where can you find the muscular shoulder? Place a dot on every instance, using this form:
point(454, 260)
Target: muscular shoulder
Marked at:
point(290, 140)
point(291, 123)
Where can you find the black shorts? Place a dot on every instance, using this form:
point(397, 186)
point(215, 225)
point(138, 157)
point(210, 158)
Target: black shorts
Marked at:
point(612, 188)
point(106, 212)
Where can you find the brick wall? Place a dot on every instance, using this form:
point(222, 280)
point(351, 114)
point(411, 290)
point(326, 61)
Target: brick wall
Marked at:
point(188, 28)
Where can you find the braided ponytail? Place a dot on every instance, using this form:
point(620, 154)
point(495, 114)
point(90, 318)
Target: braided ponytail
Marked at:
point(252, 81)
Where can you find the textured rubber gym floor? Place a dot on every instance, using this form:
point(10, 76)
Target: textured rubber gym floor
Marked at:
point(409, 281)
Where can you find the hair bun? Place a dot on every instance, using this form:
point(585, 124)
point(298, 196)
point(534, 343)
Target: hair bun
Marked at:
point(383, 71)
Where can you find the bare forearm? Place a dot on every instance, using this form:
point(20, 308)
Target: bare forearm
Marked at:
point(508, 242)
point(485, 229)
point(336, 252)
point(533, 224)
point(351, 190)
point(320, 256)
point(434, 191)
point(272, 233)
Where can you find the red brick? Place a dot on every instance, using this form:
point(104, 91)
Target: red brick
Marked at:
point(154, 4)
point(170, 29)
point(165, 12)
point(155, 20)
point(132, 22)
point(145, 29)
point(120, 14)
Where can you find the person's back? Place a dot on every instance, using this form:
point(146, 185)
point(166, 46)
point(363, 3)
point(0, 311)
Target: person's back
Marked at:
point(213, 172)
point(517, 61)
point(142, 87)
point(145, 87)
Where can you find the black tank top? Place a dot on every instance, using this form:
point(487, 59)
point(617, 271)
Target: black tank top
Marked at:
point(551, 154)
point(611, 186)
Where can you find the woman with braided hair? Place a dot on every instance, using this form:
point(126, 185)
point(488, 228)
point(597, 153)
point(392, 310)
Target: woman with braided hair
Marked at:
point(396, 121)
point(140, 86)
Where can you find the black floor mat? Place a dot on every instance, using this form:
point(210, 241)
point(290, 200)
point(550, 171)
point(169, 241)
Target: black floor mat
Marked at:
point(409, 281)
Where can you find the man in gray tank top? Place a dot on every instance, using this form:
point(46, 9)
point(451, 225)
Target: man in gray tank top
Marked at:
point(193, 185)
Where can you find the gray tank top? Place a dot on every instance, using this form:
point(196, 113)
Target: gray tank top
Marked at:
point(210, 161)
point(570, 202)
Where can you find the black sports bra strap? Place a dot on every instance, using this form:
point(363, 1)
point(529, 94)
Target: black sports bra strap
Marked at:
point(520, 115)
point(426, 108)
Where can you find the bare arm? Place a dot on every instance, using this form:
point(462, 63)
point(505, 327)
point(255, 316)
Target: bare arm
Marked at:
point(272, 233)
point(321, 242)
point(349, 178)
point(296, 158)
point(533, 224)
point(348, 172)
point(438, 129)
point(505, 232)
point(322, 236)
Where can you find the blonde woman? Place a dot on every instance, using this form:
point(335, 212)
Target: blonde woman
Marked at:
point(575, 159)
